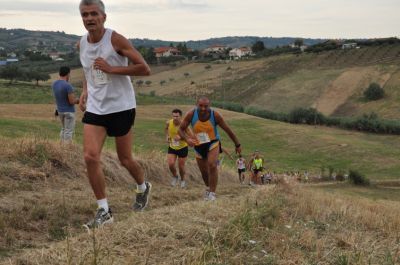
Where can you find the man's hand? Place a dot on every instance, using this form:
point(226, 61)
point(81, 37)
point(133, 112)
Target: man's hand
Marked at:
point(102, 65)
point(82, 101)
point(238, 150)
point(191, 141)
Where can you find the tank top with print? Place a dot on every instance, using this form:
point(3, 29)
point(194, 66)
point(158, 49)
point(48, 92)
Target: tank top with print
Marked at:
point(107, 93)
point(172, 132)
point(205, 131)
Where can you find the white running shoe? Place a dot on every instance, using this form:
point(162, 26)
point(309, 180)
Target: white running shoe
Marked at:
point(183, 184)
point(174, 181)
point(211, 196)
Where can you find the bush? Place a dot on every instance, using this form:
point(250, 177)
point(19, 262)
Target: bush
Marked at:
point(148, 83)
point(162, 82)
point(207, 67)
point(374, 92)
point(152, 93)
point(186, 74)
point(139, 82)
point(307, 116)
point(357, 179)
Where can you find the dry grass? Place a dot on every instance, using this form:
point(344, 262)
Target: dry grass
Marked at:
point(45, 198)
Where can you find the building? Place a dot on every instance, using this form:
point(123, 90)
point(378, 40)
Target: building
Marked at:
point(238, 53)
point(166, 52)
point(352, 45)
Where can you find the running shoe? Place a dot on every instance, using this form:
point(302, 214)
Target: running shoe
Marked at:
point(183, 184)
point(174, 181)
point(211, 196)
point(102, 217)
point(142, 198)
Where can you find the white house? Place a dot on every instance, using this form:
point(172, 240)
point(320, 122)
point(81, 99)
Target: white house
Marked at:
point(240, 52)
point(215, 49)
point(166, 52)
point(349, 45)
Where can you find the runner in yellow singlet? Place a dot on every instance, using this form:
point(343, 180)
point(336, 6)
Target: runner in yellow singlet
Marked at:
point(177, 148)
point(206, 141)
point(256, 165)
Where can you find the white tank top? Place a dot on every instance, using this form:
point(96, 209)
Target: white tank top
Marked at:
point(241, 164)
point(107, 93)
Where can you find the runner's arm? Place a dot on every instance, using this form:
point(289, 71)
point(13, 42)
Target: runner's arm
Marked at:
point(221, 122)
point(166, 131)
point(123, 47)
point(189, 138)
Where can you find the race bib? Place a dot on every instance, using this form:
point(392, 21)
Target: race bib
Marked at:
point(175, 143)
point(203, 138)
point(99, 77)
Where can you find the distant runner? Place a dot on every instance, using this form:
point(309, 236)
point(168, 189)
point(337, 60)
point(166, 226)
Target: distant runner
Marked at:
point(206, 141)
point(177, 148)
point(256, 165)
point(241, 167)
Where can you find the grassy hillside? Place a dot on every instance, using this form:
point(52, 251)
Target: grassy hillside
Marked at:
point(333, 82)
point(286, 147)
point(276, 225)
point(45, 197)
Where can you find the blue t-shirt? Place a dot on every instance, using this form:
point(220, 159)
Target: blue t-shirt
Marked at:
point(61, 89)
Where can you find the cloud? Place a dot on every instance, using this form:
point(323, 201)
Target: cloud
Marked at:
point(158, 6)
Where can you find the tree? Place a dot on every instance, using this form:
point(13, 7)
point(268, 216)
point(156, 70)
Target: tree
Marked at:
point(258, 46)
point(298, 42)
point(139, 83)
point(11, 72)
point(148, 82)
point(37, 76)
point(186, 74)
point(374, 92)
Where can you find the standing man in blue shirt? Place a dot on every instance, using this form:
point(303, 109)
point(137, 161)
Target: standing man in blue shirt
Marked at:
point(65, 100)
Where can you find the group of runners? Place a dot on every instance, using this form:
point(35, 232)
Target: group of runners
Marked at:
point(109, 105)
point(203, 136)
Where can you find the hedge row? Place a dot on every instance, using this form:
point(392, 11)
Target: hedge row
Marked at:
point(366, 123)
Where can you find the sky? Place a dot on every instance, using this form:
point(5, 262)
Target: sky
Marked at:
point(183, 20)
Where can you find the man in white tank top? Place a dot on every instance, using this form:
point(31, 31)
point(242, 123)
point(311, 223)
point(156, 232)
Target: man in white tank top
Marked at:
point(109, 103)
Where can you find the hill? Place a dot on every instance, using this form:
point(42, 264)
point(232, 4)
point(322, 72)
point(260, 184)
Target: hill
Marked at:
point(233, 42)
point(332, 82)
point(45, 198)
point(22, 39)
point(286, 147)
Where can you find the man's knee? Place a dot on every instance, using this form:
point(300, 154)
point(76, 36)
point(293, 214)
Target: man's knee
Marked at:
point(91, 158)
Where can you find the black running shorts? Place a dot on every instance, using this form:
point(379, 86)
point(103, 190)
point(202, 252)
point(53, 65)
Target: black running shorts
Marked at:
point(183, 152)
point(116, 124)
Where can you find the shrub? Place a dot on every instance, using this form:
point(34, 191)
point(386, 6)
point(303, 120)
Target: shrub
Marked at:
point(152, 93)
point(162, 82)
point(307, 116)
point(207, 67)
point(148, 83)
point(357, 179)
point(374, 92)
point(186, 74)
point(139, 82)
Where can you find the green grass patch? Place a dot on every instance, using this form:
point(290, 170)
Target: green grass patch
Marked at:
point(373, 192)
